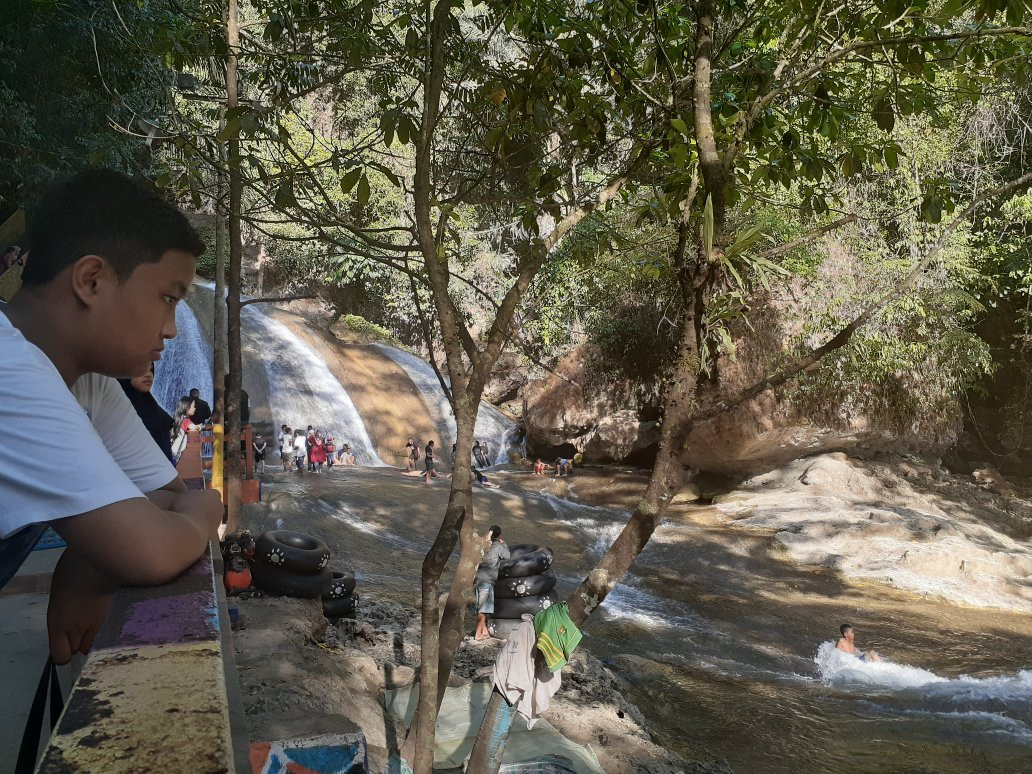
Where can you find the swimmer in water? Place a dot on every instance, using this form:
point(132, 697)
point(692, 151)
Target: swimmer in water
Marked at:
point(847, 644)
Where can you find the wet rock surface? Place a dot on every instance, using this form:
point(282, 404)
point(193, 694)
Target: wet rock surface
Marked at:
point(906, 523)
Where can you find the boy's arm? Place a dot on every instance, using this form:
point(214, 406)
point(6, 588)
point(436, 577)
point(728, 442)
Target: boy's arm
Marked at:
point(163, 541)
point(142, 541)
point(79, 600)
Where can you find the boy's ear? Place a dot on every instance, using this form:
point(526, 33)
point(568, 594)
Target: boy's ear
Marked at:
point(89, 273)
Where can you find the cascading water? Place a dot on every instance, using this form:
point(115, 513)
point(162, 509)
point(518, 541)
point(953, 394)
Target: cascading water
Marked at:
point(493, 427)
point(185, 363)
point(302, 390)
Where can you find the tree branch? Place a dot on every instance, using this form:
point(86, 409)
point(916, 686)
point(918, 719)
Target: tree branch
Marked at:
point(789, 246)
point(746, 121)
point(275, 299)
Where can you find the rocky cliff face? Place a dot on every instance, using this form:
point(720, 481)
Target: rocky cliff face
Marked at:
point(603, 422)
point(906, 411)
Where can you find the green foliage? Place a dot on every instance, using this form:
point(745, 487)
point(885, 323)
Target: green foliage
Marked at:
point(630, 342)
point(205, 226)
point(67, 77)
point(362, 326)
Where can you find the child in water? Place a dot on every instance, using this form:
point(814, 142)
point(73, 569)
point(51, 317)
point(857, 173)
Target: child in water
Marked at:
point(847, 644)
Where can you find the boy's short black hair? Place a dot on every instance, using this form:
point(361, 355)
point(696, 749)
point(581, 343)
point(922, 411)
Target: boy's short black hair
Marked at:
point(842, 629)
point(495, 531)
point(103, 212)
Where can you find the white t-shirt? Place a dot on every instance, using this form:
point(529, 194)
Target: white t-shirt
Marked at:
point(75, 450)
point(300, 449)
point(286, 443)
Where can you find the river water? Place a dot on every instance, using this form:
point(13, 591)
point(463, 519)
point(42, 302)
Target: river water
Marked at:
point(716, 634)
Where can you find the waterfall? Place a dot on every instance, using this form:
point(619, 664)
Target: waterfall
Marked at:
point(185, 363)
point(302, 389)
point(493, 427)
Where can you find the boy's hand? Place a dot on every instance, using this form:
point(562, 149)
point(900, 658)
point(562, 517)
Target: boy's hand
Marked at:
point(79, 600)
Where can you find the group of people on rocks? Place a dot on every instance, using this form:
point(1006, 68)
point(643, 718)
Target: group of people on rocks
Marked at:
point(563, 466)
point(311, 450)
point(411, 454)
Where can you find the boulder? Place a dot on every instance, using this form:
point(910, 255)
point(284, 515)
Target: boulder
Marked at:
point(507, 378)
point(604, 422)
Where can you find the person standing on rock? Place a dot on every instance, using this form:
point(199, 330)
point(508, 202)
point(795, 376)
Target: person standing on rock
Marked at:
point(411, 452)
point(300, 450)
point(286, 443)
point(428, 463)
point(309, 442)
point(260, 446)
point(317, 454)
point(495, 552)
point(480, 454)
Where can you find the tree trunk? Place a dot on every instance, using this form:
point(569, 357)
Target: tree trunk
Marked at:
point(472, 551)
point(667, 478)
point(233, 466)
point(219, 316)
point(458, 522)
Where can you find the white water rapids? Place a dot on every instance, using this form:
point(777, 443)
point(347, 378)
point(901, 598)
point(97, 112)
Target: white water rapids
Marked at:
point(302, 389)
point(185, 363)
point(1000, 705)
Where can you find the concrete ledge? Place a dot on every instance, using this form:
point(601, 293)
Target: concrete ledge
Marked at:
point(152, 695)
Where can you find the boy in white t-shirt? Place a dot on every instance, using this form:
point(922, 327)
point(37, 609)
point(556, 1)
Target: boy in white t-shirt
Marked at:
point(110, 260)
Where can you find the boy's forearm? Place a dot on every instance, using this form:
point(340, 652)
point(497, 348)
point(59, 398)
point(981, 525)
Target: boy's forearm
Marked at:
point(178, 542)
point(86, 575)
point(141, 543)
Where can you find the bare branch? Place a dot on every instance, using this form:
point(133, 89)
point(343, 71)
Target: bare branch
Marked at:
point(274, 299)
point(789, 246)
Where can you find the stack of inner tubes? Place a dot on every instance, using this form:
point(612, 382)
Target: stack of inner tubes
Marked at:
point(338, 597)
point(524, 585)
point(291, 564)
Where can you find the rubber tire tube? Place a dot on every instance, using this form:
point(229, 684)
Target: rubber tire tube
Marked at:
point(526, 563)
point(514, 608)
point(342, 607)
point(525, 586)
point(343, 583)
point(522, 548)
point(293, 551)
point(502, 628)
point(278, 580)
